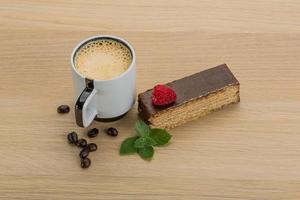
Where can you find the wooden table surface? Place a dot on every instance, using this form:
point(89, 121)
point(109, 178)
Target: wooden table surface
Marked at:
point(247, 151)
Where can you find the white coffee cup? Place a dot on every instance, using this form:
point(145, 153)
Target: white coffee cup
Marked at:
point(103, 100)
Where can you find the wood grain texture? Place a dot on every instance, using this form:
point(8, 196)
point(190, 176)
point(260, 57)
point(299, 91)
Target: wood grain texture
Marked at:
point(247, 151)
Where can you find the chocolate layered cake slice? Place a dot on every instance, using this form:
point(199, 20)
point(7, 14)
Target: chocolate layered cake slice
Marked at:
point(197, 96)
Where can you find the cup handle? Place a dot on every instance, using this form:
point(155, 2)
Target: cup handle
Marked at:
point(85, 110)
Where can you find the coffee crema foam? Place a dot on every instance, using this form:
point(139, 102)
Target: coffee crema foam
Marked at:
point(102, 59)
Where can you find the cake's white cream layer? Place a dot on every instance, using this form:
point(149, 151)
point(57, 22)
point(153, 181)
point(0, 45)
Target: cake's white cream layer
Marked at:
point(195, 108)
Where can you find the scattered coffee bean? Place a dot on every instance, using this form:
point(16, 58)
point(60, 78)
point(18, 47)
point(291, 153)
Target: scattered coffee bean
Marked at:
point(73, 138)
point(82, 143)
point(63, 109)
point(92, 147)
point(112, 131)
point(85, 162)
point(87, 148)
point(84, 153)
point(93, 133)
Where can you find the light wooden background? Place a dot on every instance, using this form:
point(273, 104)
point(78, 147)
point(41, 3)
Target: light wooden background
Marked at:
point(248, 151)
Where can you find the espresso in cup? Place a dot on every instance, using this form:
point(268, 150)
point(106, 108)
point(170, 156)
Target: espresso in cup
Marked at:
point(102, 59)
point(104, 70)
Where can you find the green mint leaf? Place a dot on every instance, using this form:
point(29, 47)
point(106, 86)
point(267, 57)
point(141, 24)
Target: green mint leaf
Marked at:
point(160, 136)
point(144, 142)
point(142, 128)
point(127, 146)
point(146, 152)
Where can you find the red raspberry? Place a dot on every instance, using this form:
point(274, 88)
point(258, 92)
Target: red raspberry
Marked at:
point(163, 95)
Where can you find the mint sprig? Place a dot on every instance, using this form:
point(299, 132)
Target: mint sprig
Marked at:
point(144, 141)
point(127, 146)
point(146, 152)
point(142, 129)
point(160, 136)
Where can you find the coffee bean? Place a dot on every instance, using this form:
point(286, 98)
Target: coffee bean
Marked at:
point(112, 131)
point(84, 153)
point(93, 133)
point(92, 147)
point(85, 162)
point(73, 138)
point(63, 109)
point(82, 143)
